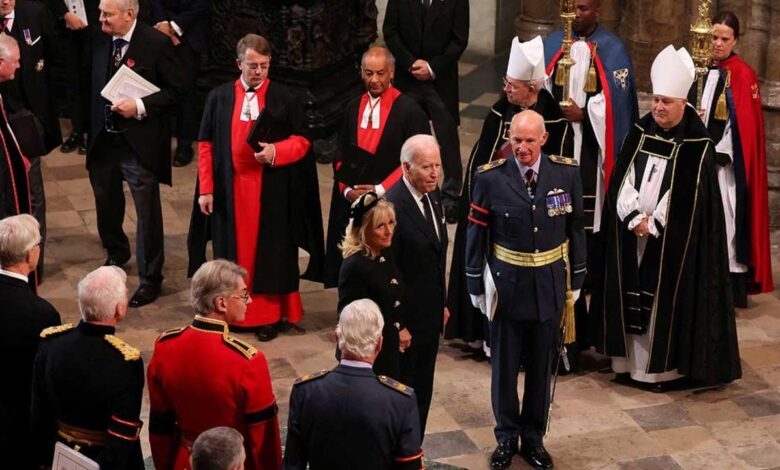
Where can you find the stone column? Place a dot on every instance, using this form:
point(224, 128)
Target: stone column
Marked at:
point(611, 13)
point(536, 18)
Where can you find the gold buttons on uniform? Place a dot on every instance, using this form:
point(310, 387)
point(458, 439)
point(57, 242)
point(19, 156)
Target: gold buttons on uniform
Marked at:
point(394, 281)
point(533, 207)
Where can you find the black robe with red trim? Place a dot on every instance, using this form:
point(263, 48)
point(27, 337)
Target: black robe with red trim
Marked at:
point(14, 185)
point(694, 326)
point(291, 217)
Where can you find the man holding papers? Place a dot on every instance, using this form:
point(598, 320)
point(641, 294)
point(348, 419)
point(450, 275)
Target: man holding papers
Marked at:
point(129, 137)
point(258, 197)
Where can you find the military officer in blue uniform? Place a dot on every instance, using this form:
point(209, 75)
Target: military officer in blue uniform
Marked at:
point(526, 223)
point(349, 417)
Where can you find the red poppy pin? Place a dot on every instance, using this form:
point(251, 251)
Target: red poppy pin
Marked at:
point(130, 63)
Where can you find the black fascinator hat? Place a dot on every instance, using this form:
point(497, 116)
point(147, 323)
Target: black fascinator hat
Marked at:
point(361, 206)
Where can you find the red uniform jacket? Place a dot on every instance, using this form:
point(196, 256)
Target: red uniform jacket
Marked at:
point(200, 377)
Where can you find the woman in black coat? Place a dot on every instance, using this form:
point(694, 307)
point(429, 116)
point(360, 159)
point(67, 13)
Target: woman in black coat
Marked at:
point(369, 272)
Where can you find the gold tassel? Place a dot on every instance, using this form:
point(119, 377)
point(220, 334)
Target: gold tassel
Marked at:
point(567, 319)
point(721, 110)
point(560, 76)
point(590, 84)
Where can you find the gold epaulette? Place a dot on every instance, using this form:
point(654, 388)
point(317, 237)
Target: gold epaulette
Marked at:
point(55, 330)
point(395, 385)
point(243, 347)
point(491, 165)
point(130, 353)
point(173, 332)
point(563, 160)
point(308, 377)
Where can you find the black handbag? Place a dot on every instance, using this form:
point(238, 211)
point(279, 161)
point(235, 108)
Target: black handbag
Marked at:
point(29, 133)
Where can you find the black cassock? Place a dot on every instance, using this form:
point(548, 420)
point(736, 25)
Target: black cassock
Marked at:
point(291, 195)
point(466, 321)
point(684, 273)
point(14, 186)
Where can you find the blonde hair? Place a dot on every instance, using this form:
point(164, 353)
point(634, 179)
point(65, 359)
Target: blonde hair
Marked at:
point(355, 236)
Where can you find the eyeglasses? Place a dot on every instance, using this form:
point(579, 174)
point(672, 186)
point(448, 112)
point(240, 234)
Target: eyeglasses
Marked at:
point(110, 125)
point(508, 85)
point(246, 298)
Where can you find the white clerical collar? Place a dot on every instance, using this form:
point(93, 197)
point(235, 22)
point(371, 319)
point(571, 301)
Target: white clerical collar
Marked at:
point(129, 34)
point(358, 364)
point(14, 275)
point(247, 87)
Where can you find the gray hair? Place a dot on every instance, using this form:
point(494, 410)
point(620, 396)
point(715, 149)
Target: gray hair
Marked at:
point(537, 83)
point(7, 43)
point(415, 144)
point(220, 448)
point(373, 51)
point(18, 235)
point(214, 279)
point(125, 5)
point(360, 327)
point(100, 292)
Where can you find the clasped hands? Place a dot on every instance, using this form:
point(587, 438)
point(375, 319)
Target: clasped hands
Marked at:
point(420, 70)
point(166, 28)
point(642, 229)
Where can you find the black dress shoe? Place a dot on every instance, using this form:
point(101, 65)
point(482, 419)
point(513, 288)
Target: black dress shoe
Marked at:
point(82, 149)
point(537, 457)
point(502, 456)
point(623, 378)
point(183, 156)
point(116, 260)
point(74, 141)
point(266, 333)
point(145, 295)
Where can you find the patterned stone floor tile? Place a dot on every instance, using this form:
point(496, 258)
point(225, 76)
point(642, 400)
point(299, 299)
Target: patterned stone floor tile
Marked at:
point(448, 444)
point(685, 439)
point(762, 356)
point(708, 459)
point(651, 463)
point(760, 404)
point(439, 420)
point(761, 456)
point(653, 418)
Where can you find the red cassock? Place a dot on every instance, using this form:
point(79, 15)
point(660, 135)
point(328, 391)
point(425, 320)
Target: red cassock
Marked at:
point(199, 377)
point(368, 138)
point(750, 122)
point(265, 309)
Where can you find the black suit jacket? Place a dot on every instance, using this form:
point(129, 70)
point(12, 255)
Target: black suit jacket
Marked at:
point(30, 87)
point(151, 55)
point(421, 258)
point(440, 39)
point(23, 315)
point(192, 16)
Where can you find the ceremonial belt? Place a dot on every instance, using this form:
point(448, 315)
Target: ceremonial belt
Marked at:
point(531, 260)
point(81, 436)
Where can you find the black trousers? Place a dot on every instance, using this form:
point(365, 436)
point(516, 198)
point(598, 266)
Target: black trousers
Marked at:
point(114, 161)
point(38, 201)
point(76, 47)
point(187, 122)
point(418, 365)
point(510, 342)
point(446, 129)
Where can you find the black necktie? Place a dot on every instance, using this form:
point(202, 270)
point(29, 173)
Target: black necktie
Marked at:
point(119, 43)
point(429, 214)
point(530, 181)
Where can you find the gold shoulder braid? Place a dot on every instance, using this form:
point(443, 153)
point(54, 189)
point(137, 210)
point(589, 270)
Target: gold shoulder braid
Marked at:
point(55, 330)
point(130, 353)
point(395, 385)
point(308, 377)
point(563, 160)
point(243, 347)
point(173, 332)
point(491, 165)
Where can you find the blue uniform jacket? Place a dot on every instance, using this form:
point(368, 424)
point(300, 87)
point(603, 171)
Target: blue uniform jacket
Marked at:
point(503, 213)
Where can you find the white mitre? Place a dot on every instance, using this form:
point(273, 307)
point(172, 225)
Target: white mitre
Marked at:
point(673, 73)
point(526, 60)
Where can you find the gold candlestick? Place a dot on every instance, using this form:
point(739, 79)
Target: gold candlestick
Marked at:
point(567, 12)
point(701, 47)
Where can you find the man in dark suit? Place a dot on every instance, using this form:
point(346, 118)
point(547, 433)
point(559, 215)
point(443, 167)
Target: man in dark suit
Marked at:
point(349, 417)
point(23, 316)
point(427, 38)
point(130, 140)
point(187, 24)
point(29, 23)
point(420, 250)
point(74, 44)
point(526, 223)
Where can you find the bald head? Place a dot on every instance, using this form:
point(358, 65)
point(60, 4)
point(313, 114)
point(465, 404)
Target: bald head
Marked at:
point(527, 135)
point(380, 54)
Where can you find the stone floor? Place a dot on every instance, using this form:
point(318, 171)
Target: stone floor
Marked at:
point(595, 423)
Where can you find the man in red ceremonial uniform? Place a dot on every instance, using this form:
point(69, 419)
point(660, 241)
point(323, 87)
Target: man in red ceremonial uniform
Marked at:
point(376, 125)
point(200, 377)
point(235, 183)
